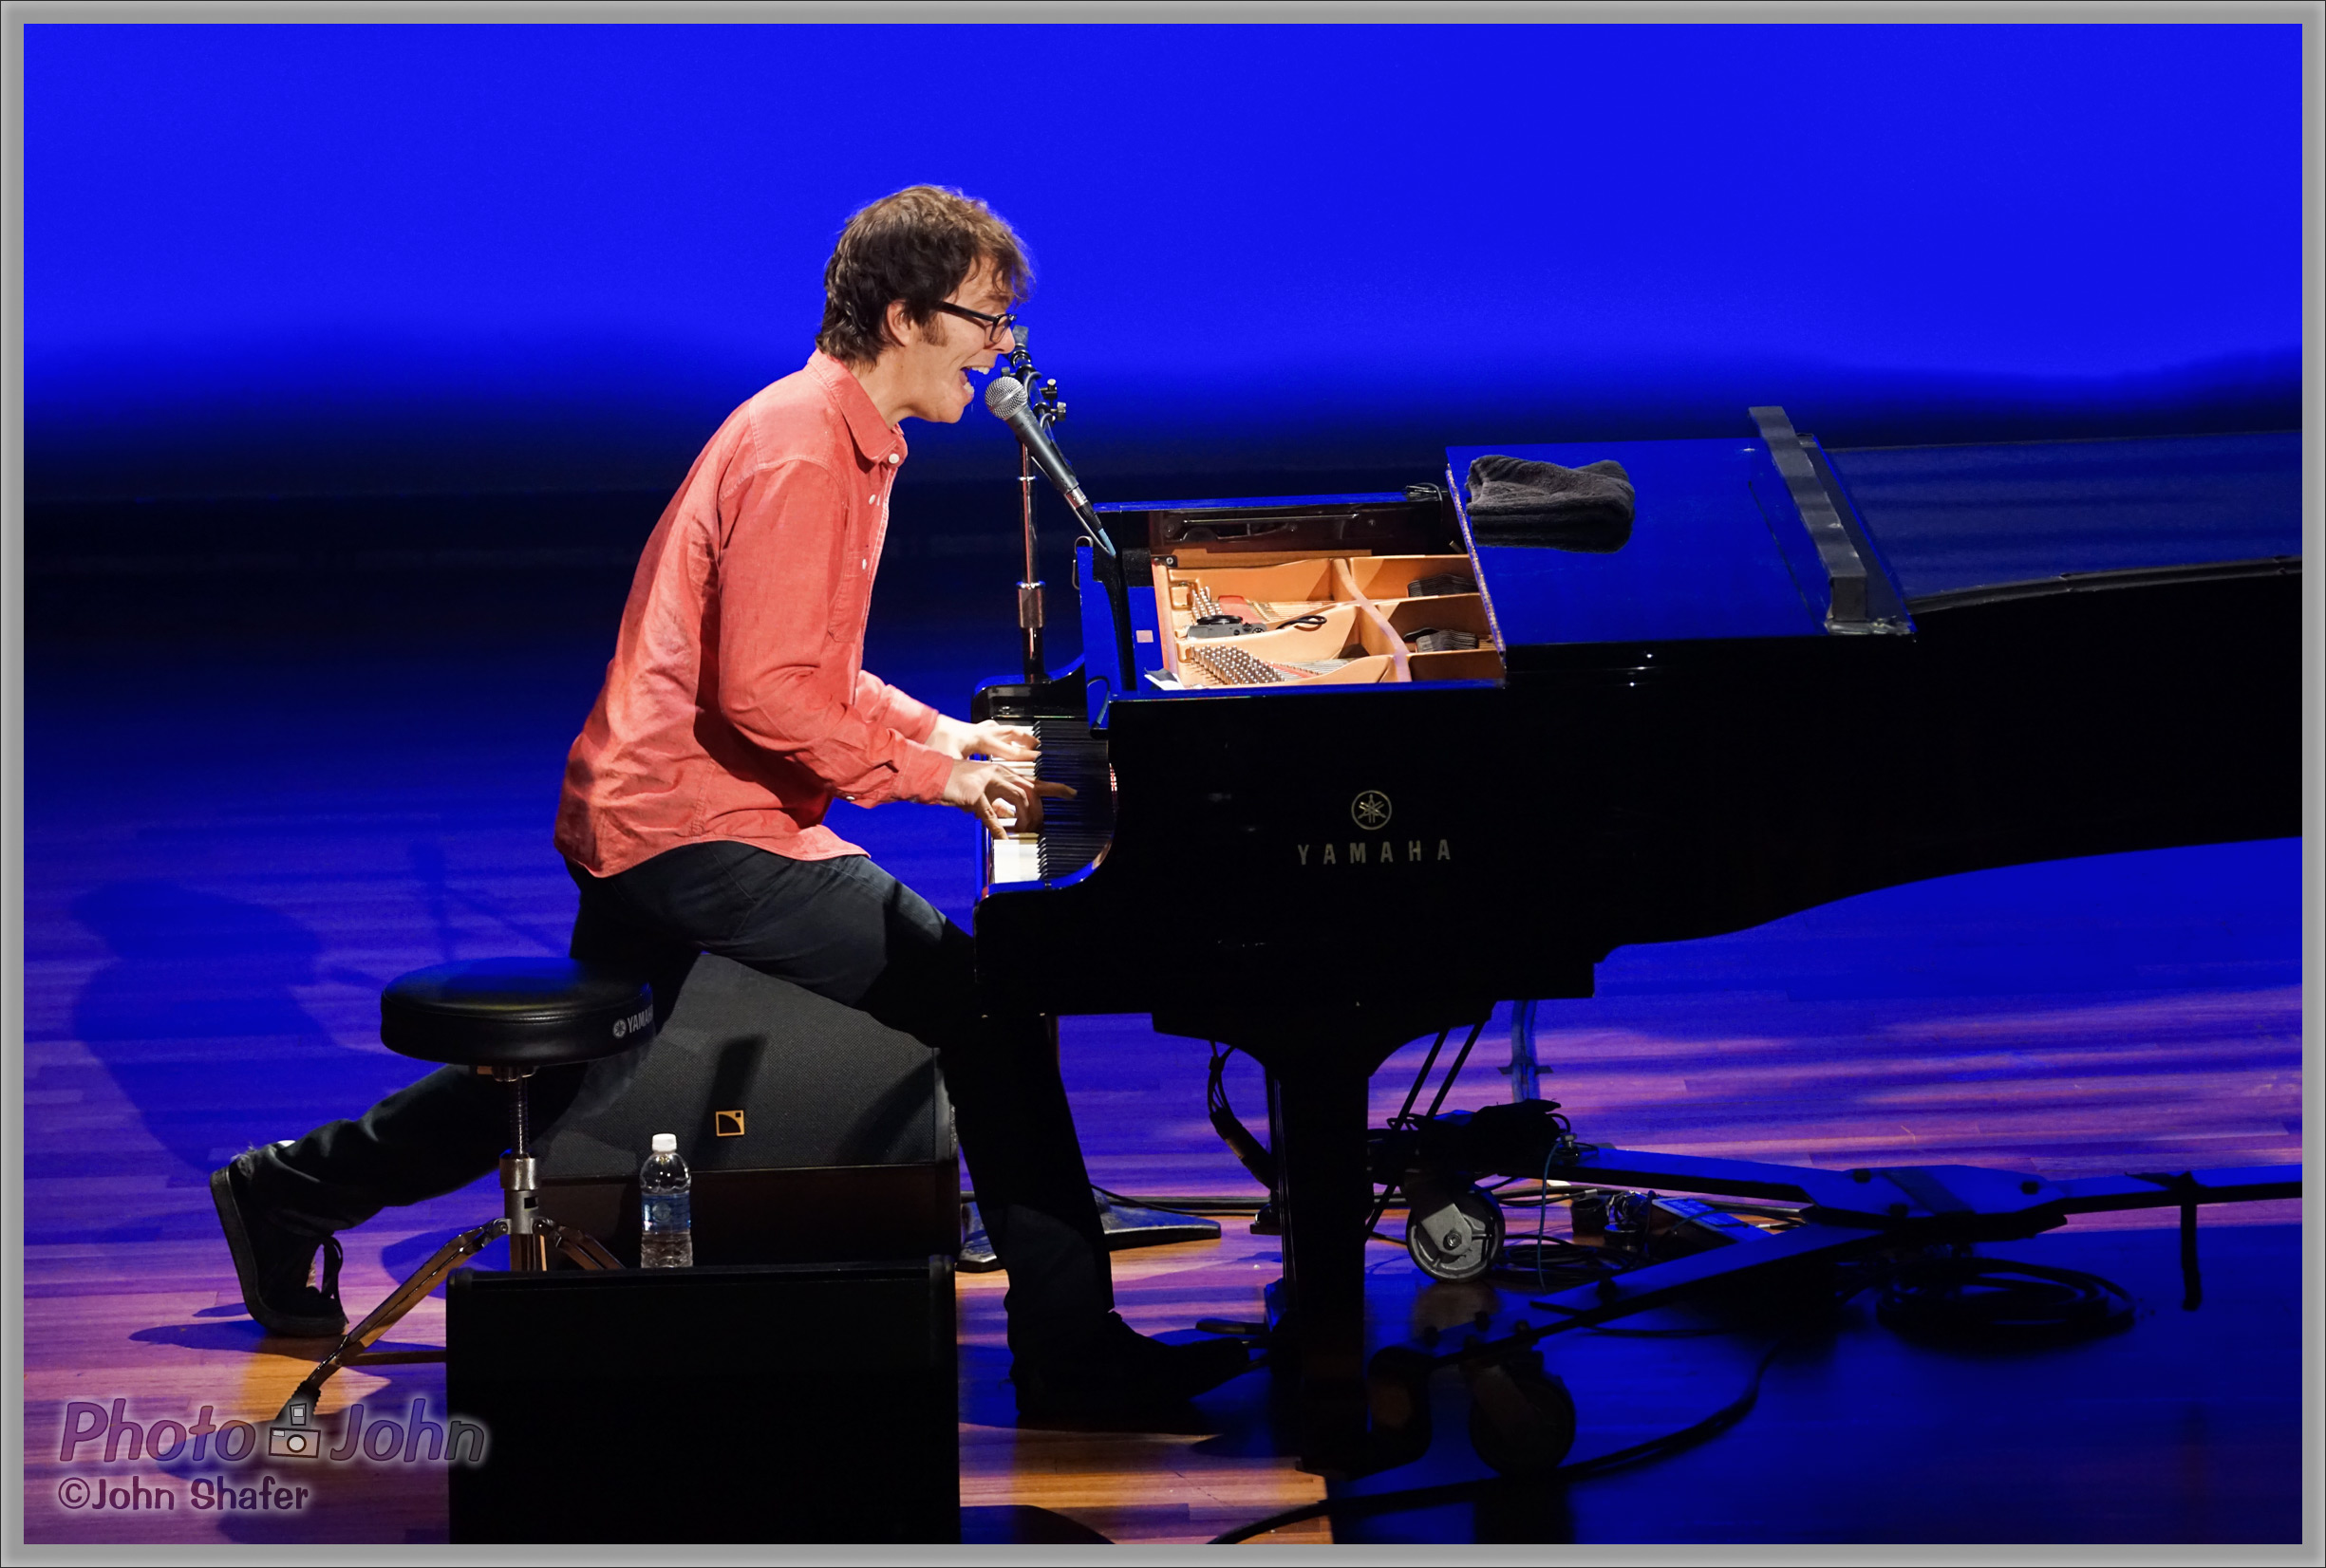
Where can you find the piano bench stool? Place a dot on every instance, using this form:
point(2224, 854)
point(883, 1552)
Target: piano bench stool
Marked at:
point(505, 1018)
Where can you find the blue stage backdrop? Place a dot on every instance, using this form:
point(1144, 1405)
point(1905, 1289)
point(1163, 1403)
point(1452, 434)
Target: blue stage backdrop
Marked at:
point(337, 259)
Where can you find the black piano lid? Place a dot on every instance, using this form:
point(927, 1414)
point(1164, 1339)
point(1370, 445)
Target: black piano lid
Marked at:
point(1952, 518)
point(1704, 558)
point(1701, 562)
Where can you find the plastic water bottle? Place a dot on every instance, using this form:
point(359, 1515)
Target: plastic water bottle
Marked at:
point(666, 1241)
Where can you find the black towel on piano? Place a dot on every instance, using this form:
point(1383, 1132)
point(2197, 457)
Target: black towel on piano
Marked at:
point(1515, 501)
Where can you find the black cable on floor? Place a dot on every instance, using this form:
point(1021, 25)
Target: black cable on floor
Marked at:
point(1994, 1299)
point(1259, 1162)
point(1456, 1491)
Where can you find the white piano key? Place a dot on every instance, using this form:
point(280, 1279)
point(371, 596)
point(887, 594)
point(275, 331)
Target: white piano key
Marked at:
point(1017, 858)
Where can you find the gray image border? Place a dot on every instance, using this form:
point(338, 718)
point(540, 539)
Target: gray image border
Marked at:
point(15, 15)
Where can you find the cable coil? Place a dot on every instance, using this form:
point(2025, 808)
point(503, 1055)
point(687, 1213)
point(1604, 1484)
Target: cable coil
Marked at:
point(1994, 1299)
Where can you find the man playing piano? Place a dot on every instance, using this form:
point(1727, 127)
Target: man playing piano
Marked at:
point(734, 711)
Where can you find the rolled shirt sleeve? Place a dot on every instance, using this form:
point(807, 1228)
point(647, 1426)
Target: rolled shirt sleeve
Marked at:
point(883, 703)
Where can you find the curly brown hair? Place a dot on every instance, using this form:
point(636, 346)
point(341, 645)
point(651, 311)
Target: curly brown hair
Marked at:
point(917, 246)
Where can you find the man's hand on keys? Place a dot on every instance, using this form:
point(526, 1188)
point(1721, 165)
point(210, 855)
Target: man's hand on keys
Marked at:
point(1001, 742)
point(998, 794)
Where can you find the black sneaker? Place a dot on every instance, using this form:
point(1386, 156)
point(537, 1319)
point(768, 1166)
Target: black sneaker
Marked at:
point(1124, 1372)
point(274, 1265)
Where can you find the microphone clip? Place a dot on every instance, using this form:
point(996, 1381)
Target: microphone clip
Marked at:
point(1041, 400)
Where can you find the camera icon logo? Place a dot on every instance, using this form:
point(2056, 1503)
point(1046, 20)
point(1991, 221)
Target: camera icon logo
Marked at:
point(295, 1436)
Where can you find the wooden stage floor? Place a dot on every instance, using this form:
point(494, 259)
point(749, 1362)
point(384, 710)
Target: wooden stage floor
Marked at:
point(229, 851)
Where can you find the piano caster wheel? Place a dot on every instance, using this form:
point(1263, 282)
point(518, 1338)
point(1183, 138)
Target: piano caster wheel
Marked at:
point(1522, 1419)
point(1455, 1236)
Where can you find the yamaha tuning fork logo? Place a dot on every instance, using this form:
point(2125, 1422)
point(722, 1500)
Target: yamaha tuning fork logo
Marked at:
point(1370, 810)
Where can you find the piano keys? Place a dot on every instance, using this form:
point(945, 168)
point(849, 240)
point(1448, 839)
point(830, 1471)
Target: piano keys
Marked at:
point(1807, 675)
point(1074, 829)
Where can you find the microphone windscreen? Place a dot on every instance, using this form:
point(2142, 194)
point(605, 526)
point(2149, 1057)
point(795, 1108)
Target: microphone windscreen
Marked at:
point(1004, 396)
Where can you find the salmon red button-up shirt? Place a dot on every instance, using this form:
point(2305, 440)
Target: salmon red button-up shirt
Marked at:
point(736, 705)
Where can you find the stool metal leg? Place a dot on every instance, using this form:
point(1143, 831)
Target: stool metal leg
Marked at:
point(583, 1248)
point(531, 1238)
point(401, 1299)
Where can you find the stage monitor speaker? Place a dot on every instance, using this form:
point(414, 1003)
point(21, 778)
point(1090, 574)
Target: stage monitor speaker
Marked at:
point(813, 1132)
point(759, 1405)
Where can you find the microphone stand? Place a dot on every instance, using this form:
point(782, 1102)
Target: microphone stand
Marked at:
point(1029, 587)
point(1048, 410)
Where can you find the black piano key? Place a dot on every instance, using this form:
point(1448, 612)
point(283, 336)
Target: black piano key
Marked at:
point(1073, 831)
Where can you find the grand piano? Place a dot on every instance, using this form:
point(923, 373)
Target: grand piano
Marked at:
point(1349, 777)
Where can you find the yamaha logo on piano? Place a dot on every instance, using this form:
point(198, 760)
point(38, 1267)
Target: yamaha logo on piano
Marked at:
point(1380, 852)
point(1370, 810)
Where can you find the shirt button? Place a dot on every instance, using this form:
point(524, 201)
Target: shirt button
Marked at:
point(894, 459)
point(871, 500)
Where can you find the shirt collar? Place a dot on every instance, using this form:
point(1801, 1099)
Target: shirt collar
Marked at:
point(876, 438)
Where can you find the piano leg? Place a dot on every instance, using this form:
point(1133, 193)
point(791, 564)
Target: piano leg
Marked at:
point(1320, 1060)
point(1326, 1191)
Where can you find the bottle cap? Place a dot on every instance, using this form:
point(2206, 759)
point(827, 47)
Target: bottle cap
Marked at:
point(666, 1143)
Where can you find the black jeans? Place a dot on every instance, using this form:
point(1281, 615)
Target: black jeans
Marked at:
point(843, 928)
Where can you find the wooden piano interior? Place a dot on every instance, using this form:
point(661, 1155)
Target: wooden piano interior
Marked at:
point(1323, 620)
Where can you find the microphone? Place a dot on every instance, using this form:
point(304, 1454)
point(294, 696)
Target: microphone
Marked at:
point(1005, 396)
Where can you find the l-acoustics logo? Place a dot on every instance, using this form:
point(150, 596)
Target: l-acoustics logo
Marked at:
point(1370, 810)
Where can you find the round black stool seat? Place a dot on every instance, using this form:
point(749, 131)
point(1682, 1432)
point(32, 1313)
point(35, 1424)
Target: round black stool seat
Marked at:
point(514, 1012)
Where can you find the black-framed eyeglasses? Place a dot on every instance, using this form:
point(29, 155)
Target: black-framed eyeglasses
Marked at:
point(994, 326)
